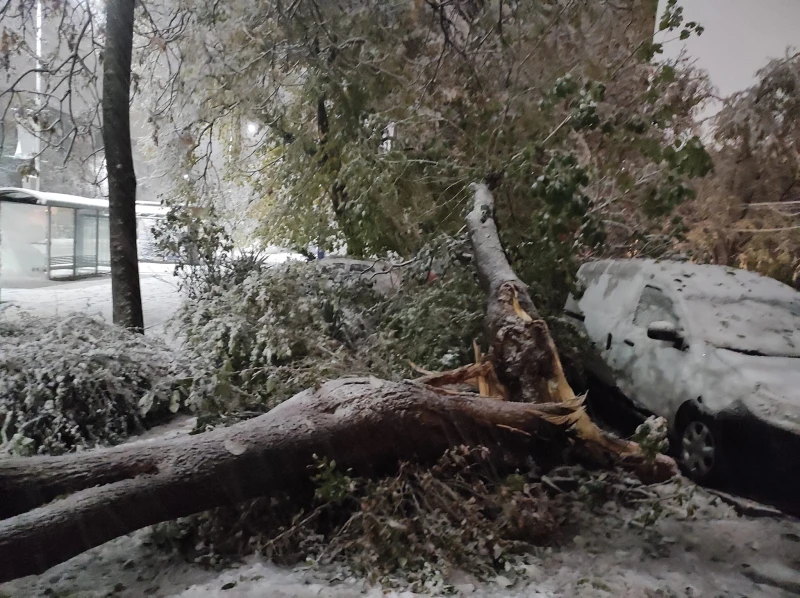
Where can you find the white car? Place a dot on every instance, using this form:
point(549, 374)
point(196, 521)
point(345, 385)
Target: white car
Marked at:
point(714, 350)
point(383, 277)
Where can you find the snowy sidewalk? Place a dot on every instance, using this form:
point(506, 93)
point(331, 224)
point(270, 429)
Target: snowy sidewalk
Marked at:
point(92, 297)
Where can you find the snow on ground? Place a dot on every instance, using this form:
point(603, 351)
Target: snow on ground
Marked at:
point(92, 297)
point(721, 555)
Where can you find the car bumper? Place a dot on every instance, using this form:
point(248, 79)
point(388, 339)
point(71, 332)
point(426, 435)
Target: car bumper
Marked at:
point(762, 456)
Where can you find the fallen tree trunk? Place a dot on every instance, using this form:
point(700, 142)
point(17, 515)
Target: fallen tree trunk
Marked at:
point(366, 425)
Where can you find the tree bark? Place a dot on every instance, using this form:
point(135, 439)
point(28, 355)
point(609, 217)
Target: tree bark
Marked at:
point(125, 292)
point(523, 352)
point(364, 424)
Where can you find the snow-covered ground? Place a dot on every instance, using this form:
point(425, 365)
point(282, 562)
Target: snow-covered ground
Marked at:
point(717, 555)
point(92, 296)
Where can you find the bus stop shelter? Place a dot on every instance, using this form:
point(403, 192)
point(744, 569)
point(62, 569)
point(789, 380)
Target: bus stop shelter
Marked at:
point(52, 236)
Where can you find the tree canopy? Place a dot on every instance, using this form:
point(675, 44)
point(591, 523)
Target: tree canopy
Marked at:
point(361, 123)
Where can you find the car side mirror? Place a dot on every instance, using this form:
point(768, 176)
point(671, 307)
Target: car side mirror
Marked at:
point(665, 331)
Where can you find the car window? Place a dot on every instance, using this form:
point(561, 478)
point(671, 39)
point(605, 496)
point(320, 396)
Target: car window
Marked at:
point(654, 306)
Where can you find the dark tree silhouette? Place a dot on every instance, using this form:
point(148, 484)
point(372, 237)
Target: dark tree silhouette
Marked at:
point(126, 295)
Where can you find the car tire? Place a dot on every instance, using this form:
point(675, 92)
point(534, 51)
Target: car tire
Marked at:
point(699, 449)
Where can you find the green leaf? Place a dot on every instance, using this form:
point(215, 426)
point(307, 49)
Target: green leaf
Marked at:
point(649, 49)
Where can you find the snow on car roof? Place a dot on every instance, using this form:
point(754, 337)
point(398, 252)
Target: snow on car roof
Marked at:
point(728, 307)
point(721, 282)
point(704, 280)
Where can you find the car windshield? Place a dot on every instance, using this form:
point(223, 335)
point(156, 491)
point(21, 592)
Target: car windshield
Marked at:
point(756, 326)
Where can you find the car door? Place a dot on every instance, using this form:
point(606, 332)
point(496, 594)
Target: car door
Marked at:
point(655, 371)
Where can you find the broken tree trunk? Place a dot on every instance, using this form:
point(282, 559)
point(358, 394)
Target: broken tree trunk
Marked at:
point(53, 508)
point(364, 424)
point(523, 352)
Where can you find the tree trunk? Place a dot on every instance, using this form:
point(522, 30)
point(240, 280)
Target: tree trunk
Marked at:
point(125, 292)
point(523, 352)
point(366, 425)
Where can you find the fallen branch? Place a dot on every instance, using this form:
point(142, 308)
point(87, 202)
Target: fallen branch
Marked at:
point(480, 376)
point(364, 424)
point(746, 507)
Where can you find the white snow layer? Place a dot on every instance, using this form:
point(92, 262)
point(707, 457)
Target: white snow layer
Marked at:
point(92, 297)
point(717, 554)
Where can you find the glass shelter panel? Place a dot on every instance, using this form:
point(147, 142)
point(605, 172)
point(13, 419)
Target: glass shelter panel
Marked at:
point(62, 242)
point(103, 244)
point(23, 242)
point(86, 242)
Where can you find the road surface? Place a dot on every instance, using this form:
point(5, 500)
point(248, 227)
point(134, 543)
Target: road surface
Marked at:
point(92, 296)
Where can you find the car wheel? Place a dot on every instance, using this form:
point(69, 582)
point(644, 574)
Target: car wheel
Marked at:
point(700, 452)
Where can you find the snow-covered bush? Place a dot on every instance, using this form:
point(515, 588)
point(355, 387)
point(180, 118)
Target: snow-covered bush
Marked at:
point(652, 436)
point(278, 331)
point(433, 322)
point(76, 382)
point(203, 250)
point(257, 340)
